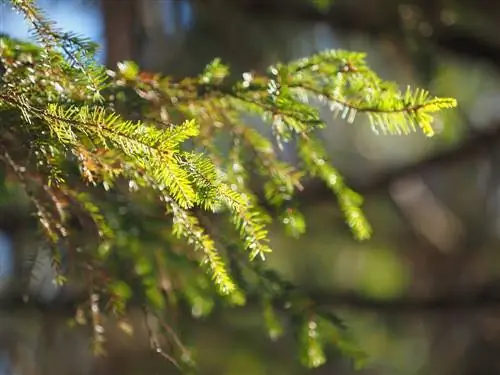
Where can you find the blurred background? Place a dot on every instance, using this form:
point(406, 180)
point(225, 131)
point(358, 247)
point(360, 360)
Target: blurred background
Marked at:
point(422, 296)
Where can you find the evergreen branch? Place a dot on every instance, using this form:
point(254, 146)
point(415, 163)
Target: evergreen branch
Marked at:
point(432, 105)
point(80, 51)
point(252, 228)
point(282, 178)
point(152, 149)
point(249, 222)
point(205, 176)
point(43, 28)
point(353, 88)
point(187, 226)
point(314, 158)
point(53, 229)
point(103, 229)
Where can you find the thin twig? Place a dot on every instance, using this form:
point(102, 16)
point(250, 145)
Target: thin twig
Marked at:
point(154, 342)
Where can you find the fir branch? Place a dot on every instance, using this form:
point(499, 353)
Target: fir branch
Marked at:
point(314, 158)
point(53, 229)
point(80, 51)
point(186, 225)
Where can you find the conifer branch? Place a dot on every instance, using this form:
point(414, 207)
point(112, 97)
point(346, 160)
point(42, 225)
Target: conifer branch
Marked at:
point(71, 130)
point(186, 225)
point(53, 229)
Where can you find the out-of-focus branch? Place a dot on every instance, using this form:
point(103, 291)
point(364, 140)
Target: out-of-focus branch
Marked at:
point(359, 16)
point(482, 299)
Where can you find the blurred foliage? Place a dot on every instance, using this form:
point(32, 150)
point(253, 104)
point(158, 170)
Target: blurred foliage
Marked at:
point(323, 5)
point(105, 156)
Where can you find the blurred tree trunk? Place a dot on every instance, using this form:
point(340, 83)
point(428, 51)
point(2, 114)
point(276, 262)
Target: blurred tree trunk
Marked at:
point(120, 25)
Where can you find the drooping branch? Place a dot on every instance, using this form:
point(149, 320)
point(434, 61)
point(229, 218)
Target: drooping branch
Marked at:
point(474, 146)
